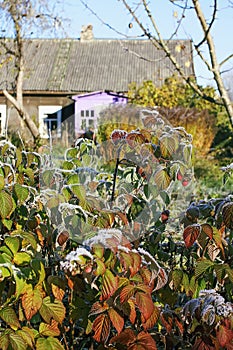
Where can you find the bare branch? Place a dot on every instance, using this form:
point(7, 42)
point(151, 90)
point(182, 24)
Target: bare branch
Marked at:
point(210, 25)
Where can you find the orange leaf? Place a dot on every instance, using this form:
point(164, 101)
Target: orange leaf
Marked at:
point(101, 328)
point(144, 341)
point(31, 302)
point(152, 320)
point(58, 292)
point(224, 335)
point(125, 338)
point(132, 314)
point(190, 234)
point(116, 319)
point(127, 292)
point(145, 304)
point(207, 229)
point(98, 308)
point(134, 268)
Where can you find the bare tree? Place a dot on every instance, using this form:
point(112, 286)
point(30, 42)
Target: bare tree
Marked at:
point(19, 18)
point(206, 44)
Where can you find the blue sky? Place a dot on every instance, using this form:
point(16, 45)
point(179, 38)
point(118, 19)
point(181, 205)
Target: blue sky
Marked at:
point(113, 14)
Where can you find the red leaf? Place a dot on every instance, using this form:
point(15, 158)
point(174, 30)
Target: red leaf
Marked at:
point(190, 234)
point(101, 327)
point(116, 319)
point(145, 304)
point(110, 284)
point(152, 320)
point(201, 345)
point(224, 335)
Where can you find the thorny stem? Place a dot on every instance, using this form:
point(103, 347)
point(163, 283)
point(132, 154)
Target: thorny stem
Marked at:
point(115, 174)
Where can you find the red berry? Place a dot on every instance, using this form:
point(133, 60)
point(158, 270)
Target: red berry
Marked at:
point(185, 183)
point(179, 176)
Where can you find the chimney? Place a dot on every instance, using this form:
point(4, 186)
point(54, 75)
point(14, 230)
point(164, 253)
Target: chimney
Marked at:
point(87, 33)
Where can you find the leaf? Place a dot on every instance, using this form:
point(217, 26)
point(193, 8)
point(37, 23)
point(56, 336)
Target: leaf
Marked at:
point(132, 311)
point(49, 330)
point(13, 243)
point(58, 286)
point(8, 315)
point(207, 229)
point(101, 328)
point(6, 204)
point(162, 179)
point(100, 268)
point(98, 308)
point(127, 292)
point(79, 191)
point(190, 234)
point(227, 214)
point(116, 319)
point(168, 145)
point(162, 279)
point(49, 343)
point(22, 192)
point(177, 276)
point(109, 286)
point(28, 335)
point(2, 182)
point(145, 304)
point(144, 342)
point(17, 342)
point(31, 302)
point(202, 266)
point(151, 320)
point(125, 338)
point(22, 258)
point(55, 310)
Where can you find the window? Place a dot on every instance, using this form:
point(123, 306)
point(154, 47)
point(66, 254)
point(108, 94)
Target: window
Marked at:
point(50, 120)
point(3, 120)
point(88, 119)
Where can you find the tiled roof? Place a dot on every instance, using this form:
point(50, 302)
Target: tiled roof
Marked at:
point(72, 66)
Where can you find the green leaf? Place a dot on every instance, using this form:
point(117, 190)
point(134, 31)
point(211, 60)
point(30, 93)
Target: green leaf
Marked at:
point(28, 238)
point(28, 335)
point(177, 276)
point(13, 243)
point(55, 310)
point(2, 182)
point(162, 179)
point(79, 191)
point(110, 284)
point(39, 269)
point(8, 315)
point(49, 343)
point(22, 192)
point(6, 204)
point(20, 281)
point(17, 342)
point(47, 178)
point(22, 258)
point(73, 179)
point(49, 330)
point(4, 271)
point(7, 223)
point(168, 145)
point(203, 266)
point(19, 158)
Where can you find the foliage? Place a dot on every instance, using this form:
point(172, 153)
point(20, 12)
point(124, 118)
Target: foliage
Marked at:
point(177, 102)
point(92, 258)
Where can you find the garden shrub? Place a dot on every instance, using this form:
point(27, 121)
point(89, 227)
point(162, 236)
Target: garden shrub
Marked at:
point(93, 258)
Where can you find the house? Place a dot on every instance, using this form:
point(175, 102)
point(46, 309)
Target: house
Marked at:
point(61, 74)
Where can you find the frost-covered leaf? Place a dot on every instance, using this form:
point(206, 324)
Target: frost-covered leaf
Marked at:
point(22, 192)
point(162, 179)
point(6, 204)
